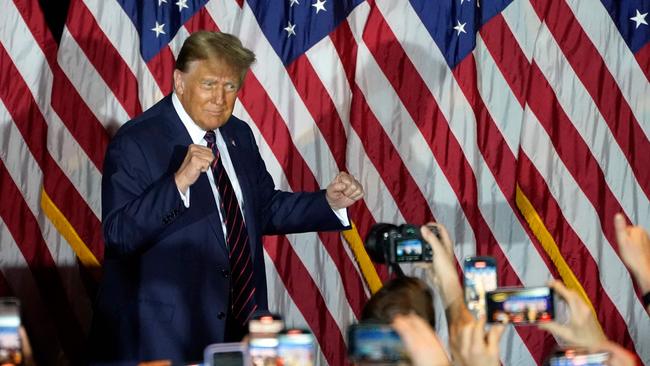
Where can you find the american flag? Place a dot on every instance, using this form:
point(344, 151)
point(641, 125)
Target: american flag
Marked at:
point(523, 126)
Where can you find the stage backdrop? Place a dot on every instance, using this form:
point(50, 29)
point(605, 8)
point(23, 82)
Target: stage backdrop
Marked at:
point(523, 126)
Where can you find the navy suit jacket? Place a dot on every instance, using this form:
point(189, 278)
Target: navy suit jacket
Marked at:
point(164, 293)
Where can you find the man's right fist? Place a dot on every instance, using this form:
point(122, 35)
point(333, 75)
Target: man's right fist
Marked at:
point(197, 160)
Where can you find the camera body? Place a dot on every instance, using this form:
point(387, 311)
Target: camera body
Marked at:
point(392, 244)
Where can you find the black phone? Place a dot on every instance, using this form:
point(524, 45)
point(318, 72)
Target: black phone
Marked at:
point(479, 277)
point(11, 352)
point(374, 342)
point(521, 305)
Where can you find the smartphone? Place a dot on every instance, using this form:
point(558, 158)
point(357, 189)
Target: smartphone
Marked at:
point(578, 357)
point(226, 354)
point(520, 305)
point(296, 347)
point(263, 349)
point(479, 277)
point(374, 342)
point(11, 352)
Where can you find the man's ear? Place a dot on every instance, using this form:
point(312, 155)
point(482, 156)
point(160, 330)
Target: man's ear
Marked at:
point(179, 82)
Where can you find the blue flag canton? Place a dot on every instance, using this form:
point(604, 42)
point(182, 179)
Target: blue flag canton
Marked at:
point(632, 19)
point(158, 21)
point(294, 26)
point(453, 23)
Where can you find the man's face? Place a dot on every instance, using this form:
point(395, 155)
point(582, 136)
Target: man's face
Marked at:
point(207, 91)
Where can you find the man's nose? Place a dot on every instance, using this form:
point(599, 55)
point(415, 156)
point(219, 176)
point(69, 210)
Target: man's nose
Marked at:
point(218, 95)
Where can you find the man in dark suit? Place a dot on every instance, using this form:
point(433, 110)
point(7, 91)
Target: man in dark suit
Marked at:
point(186, 199)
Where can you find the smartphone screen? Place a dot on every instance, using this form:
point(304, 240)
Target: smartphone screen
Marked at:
point(369, 342)
point(578, 357)
point(10, 345)
point(296, 348)
point(520, 306)
point(479, 277)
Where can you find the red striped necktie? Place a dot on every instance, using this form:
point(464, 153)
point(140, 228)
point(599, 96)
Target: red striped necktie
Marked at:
point(242, 289)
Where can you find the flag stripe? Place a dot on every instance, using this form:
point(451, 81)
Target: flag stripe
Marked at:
point(94, 45)
point(596, 78)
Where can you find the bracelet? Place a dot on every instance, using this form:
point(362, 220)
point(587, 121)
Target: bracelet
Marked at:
point(646, 299)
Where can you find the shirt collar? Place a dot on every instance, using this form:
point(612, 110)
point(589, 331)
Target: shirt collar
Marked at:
point(196, 132)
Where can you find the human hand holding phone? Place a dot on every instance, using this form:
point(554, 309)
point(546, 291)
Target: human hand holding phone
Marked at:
point(582, 329)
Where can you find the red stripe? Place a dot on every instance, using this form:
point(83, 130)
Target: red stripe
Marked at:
point(320, 106)
point(573, 251)
point(107, 61)
point(507, 55)
point(513, 64)
point(307, 297)
point(162, 69)
point(79, 120)
point(600, 84)
point(29, 121)
point(25, 230)
point(643, 58)
point(32, 15)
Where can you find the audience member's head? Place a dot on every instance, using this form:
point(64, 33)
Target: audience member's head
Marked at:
point(402, 295)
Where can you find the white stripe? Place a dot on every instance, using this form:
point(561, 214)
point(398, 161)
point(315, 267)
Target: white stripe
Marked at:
point(27, 175)
point(43, 333)
point(327, 65)
point(582, 217)
point(280, 302)
point(89, 84)
point(280, 90)
point(505, 110)
point(309, 248)
point(524, 23)
point(591, 126)
point(597, 23)
point(176, 43)
point(64, 149)
point(121, 32)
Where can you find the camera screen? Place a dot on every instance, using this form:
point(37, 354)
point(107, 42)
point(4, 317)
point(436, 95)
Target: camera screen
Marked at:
point(520, 306)
point(480, 276)
point(407, 250)
point(374, 342)
point(10, 347)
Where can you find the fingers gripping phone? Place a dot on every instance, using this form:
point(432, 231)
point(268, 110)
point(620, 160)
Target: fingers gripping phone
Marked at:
point(521, 305)
point(479, 277)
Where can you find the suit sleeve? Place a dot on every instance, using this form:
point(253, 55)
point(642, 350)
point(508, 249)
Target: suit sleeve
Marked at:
point(136, 207)
point(290, 212)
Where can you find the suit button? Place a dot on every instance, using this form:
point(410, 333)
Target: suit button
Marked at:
point(224, 273)
point(221, 315)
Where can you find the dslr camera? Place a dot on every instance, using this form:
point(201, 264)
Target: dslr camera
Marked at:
point(391, 244)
